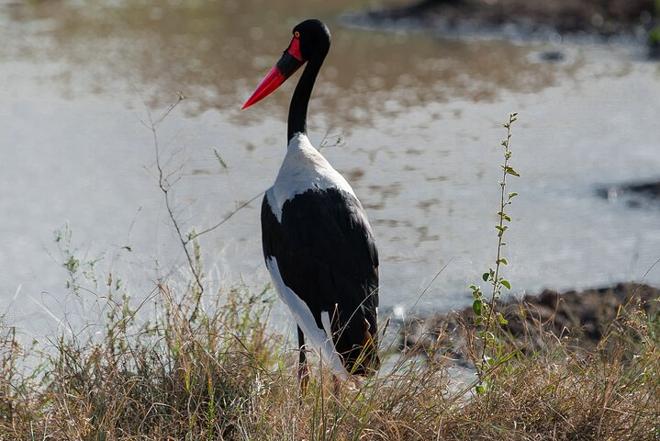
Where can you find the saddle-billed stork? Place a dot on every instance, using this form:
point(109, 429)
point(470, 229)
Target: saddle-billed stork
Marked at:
point(317, 242)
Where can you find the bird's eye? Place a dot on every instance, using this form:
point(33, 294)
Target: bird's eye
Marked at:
point(296, 34)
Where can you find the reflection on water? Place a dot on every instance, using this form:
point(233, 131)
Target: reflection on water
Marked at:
point(420, 118)
point(215, 51)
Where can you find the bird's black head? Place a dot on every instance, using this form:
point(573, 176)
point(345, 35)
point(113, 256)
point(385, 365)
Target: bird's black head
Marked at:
point(314, 38)
point(310, 42)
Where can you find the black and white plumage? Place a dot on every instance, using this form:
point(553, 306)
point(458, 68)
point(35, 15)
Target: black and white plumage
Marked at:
point(317, 242)
point(319, 247)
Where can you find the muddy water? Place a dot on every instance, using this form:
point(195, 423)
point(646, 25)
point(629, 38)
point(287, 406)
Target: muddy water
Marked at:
point(419, 121)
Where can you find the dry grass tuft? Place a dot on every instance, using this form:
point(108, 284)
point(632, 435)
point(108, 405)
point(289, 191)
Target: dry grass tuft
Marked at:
point(226, 376)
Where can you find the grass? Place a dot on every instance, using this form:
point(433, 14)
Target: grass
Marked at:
point(216, 371)
point(226, 376)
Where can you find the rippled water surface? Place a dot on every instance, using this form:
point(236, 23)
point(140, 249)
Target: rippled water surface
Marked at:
point(419, 118)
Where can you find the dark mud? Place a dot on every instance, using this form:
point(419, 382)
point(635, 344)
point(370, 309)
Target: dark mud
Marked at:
point(580, 318)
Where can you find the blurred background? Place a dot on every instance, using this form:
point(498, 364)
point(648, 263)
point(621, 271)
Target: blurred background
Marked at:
point(417, 113)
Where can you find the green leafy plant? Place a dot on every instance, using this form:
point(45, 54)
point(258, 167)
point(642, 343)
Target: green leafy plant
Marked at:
point(81, 270)
point(654, 36)
point(486, 316)
point(654, 33)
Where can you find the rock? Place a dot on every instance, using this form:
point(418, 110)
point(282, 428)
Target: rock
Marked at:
point(634, 195)
point(650, 190)
point(552, 56)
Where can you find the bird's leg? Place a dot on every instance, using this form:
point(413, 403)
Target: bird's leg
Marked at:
point(303, 370)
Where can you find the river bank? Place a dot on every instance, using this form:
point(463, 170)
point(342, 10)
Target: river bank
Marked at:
point(518, 19)
point(579, 318)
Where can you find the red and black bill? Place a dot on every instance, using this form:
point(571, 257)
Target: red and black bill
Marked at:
point(290, 61)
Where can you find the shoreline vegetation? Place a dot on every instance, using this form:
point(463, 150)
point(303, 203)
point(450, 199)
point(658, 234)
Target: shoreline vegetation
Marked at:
point(521, 19)
point(227, 376)
point(189, 362)
point(579, 318)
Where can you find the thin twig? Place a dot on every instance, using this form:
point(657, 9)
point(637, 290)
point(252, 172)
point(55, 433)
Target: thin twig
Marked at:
point(324, 144)
point(225, 219)
point(165, 186)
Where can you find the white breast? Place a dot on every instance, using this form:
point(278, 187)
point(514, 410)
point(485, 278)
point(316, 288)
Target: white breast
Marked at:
point(303, 168)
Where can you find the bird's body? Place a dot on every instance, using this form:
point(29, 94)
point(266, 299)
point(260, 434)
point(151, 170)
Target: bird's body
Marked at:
point(318, 242)
point(318, 245)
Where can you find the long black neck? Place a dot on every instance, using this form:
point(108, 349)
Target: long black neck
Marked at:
point(297, 122)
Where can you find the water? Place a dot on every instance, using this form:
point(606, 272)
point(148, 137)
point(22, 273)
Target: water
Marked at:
point(420, 122)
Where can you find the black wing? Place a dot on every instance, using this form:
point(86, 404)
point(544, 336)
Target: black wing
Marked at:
point(326, 254)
